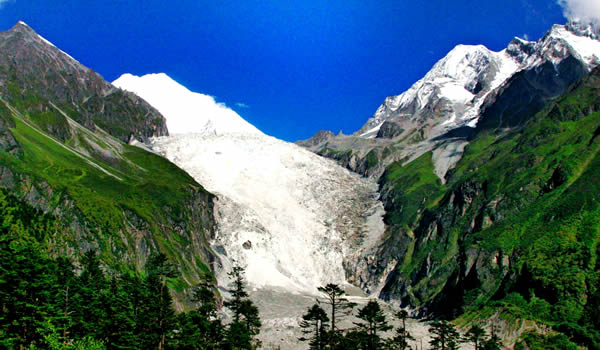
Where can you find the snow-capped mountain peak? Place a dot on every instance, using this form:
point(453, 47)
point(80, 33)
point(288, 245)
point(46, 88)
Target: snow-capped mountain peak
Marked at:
point(462, 79)
point(186, 111)
point(562, 41)
point(453, 91)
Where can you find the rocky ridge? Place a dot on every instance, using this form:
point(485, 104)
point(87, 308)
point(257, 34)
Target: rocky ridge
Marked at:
point(31, 64)
point(440, 112)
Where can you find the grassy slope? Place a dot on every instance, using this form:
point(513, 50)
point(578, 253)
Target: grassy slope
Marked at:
point(106, 187)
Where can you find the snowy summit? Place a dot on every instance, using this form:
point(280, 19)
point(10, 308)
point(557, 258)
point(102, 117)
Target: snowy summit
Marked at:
point(186, 111)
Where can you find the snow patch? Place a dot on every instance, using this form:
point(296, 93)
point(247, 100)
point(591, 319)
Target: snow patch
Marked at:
point(456, 93)
point(372, 133)
point(587, 48)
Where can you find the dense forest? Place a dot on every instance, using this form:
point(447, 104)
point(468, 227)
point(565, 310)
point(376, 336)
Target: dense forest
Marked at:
point(57, 303)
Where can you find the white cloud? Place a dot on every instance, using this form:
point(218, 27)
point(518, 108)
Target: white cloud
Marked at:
point(242, 105)
point(586, 11)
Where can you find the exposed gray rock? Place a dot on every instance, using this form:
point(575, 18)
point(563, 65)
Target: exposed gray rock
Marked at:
point(37, 68)
point(389, 130)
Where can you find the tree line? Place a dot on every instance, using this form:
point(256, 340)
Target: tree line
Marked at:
point(46, 305)
point(321, 329)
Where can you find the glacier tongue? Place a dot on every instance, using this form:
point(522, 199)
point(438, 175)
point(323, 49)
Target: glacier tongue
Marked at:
point(288, 215)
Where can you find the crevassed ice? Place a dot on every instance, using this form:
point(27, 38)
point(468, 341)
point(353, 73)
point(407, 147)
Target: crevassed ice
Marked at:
point(283, 212)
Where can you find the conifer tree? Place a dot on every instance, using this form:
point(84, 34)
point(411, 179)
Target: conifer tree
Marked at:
point(159, 315)
point(120, 325)
point(314, 323)
point(26, 289)
point(374, 323)
point(91, 302)
point(445, 336)
point(339, 306)
point(400, 340)
point(134, 288)
point(476, 335)
point(67, 290)
point(202, 326)
point(244, 328)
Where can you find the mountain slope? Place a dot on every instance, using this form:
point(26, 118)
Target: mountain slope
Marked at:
point(439, 112)
point(491, 215)
point(515, 228)
point(36, 67)
point(55, 155)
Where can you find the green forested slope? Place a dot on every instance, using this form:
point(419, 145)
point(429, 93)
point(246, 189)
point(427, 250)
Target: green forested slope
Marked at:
point(61, 303)
point(120, 199)
point(517, 226)
point(63, 150)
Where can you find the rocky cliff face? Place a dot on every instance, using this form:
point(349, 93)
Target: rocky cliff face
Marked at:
point(63, 150)
point(504, 222)
point(32, 65)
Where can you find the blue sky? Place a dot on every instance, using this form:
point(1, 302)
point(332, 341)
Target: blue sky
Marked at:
point(288, 67)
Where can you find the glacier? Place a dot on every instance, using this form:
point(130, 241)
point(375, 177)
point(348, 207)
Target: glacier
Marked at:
point(282, 211)
point(289, 216)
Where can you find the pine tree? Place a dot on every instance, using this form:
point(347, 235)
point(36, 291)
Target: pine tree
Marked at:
point(400, 340)
point(237, 291)
point(120, 325)
point(339, 305)
point(134, 288)
point(91, 302)
point(202, 326)
point(476, 335)
point(314, 323)
point(246, 323)
point(67, 288)
point(27, 289)
point(374, 323)
point(445, 336)
point(158, 316)
point(204, 297)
